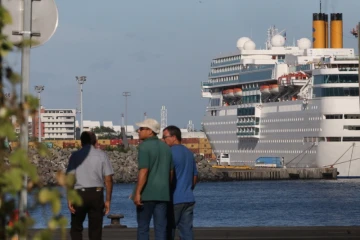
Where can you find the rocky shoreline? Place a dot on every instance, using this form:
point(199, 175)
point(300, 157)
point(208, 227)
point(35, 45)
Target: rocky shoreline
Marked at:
point(124, 164)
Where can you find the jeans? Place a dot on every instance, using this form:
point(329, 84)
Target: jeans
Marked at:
point(183, 220)
point(93, 206)
point(149, 209)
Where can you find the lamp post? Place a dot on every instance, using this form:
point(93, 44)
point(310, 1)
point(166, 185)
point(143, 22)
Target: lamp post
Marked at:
point(39, 89)
point(126, 95)
point(81, 80)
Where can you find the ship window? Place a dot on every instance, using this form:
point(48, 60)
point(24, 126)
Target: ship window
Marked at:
point(333, 139)
point(354, 128)
point(352, 116)
point(351, 139)
point(333, 116)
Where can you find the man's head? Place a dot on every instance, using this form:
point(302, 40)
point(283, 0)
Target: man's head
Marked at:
point(93, 138)
point(87, 138)
point(172, 135)
point(148, 128)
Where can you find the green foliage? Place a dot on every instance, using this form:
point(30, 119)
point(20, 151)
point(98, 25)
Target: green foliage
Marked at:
point(117, 149)
point(15, 167)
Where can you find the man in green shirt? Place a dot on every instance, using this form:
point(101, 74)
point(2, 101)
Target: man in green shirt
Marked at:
point(152, 191)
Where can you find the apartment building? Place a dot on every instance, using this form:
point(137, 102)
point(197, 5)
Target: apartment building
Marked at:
point(57, 124)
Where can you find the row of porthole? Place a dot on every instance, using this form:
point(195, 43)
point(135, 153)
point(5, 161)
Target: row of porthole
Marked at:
point(219, 123)
point(267, 151)
point(222, 132)
point(261, 141)
point(283, 120)
point(291, 130)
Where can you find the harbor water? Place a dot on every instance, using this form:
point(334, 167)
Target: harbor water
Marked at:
point(253, 203)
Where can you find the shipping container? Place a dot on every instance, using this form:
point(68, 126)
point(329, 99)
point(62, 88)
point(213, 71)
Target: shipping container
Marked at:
point(68, 145)
point(192, 145)
point(114, 142)
point(204, 145)
point(269, 162)
point(205, 150)
point(194, 150)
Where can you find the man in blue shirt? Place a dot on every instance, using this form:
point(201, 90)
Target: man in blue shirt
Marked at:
point(184, 181)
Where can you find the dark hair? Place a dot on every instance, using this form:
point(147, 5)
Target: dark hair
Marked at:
point(93, 138)
point(87, 138)
point(174, 131)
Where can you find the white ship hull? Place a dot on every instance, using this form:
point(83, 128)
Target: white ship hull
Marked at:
point(296, 131)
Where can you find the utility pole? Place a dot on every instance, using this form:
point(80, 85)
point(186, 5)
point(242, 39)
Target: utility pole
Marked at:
point(126, 95)
point(81, 80)
point(39, 89)
point(25, 74)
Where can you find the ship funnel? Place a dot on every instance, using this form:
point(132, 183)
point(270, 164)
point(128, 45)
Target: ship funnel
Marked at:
point(336, 30)
point(319, 40)
point(326, 30)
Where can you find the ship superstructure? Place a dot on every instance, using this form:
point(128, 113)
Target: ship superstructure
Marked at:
point(297, 102)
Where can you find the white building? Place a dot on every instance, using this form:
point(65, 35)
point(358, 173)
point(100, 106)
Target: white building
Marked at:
point(58, 123)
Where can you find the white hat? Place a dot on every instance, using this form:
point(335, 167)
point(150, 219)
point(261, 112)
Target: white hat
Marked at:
point(150, 123)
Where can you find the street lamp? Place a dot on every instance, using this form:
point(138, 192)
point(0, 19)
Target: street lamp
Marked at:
point(126, 94)
point(39, 89)
point(81, 80)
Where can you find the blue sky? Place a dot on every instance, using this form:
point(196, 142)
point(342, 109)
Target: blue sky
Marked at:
point(159, 50)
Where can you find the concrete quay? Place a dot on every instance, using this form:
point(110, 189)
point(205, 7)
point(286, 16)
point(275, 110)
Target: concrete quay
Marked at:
point(241, 233)
point(241, 173)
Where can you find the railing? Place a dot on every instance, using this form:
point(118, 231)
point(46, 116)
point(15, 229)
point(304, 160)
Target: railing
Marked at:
point(209, 84)
point(225, 63)
point(303, 67)
point(224, 73)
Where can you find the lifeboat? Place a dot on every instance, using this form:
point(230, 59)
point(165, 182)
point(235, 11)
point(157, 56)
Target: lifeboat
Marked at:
point(274, 88)
point(264, 89)
point(229, 93)
point(237, 92)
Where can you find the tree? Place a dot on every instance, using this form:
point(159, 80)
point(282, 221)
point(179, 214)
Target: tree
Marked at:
point(15, 166)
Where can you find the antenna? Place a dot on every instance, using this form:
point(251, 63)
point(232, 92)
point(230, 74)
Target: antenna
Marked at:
point(190, 126)
point(163, 113)
point(320, 6)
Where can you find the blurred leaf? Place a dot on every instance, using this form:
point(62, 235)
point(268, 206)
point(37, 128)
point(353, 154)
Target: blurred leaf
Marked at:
point(74, 197)
point(12, 180)
point(44, 196)
point(5, 16)
point(70, 180)
point(56, 205)
point(52, 224)
point(7, 130)
point(61, 178)
point(43, 235)
point(42, 149)
point(13, 77)
point(18, 156)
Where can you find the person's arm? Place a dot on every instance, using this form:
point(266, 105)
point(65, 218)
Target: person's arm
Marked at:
point(108, 173)
point(71, 170)
point(195, 174)
point(143, 159)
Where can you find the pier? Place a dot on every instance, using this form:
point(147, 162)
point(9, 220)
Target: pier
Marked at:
point(241, 233)
point(246, 173)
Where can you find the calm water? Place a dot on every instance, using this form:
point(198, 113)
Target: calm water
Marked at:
point(258, 203)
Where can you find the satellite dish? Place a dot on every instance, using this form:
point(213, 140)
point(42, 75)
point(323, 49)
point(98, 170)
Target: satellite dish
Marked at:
point(44, 20)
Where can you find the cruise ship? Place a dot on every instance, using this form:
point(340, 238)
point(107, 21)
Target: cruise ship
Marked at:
point(300, 102)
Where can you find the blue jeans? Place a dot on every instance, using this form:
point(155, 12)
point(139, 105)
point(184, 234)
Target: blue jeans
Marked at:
point(150, 209)
point(183, 220)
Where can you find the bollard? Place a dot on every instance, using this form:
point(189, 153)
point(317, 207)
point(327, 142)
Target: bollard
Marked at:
point(115, 221)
